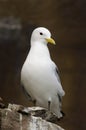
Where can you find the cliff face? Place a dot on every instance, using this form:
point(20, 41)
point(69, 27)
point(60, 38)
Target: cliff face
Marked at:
point(67, 21)
point(19, 117)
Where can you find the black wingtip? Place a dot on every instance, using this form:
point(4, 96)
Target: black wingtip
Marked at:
point(63, 114)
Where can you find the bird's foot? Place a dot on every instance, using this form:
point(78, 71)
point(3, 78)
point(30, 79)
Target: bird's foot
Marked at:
point(34, 102)
point(49, 102)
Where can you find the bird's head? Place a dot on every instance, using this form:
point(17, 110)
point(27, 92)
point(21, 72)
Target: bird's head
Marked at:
point(42, 35)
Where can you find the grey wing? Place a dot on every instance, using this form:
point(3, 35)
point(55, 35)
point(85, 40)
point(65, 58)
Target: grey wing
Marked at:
point(57, 74)
point(56, 71)
point(61, 91)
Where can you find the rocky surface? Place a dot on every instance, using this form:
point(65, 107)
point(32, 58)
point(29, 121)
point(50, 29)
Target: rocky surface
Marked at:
point(20, 118)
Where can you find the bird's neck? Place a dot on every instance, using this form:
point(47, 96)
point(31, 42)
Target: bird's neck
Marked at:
point(40, 50)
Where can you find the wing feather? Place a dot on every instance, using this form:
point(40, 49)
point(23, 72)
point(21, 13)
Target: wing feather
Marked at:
point(60, 92)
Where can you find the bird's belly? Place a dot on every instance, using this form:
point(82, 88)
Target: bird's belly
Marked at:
point(40, 84)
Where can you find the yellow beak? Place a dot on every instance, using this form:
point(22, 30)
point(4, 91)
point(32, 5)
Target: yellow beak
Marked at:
point(50, 40)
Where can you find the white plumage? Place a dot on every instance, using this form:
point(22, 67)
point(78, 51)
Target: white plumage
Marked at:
point(39, 76)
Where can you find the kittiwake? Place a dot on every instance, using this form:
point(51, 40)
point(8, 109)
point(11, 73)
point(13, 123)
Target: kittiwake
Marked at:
point(39, 74)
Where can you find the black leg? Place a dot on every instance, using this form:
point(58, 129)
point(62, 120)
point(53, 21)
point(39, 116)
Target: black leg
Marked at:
point(49, 102)
point(34, 102)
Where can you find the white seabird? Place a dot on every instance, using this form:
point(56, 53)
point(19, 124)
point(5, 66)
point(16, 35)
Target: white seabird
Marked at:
point(39, 74)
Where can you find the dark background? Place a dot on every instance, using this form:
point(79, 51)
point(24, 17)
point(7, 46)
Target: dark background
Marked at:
point(66, 19)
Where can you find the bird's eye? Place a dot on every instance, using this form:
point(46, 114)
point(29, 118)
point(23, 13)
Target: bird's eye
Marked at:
point(41, 33)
